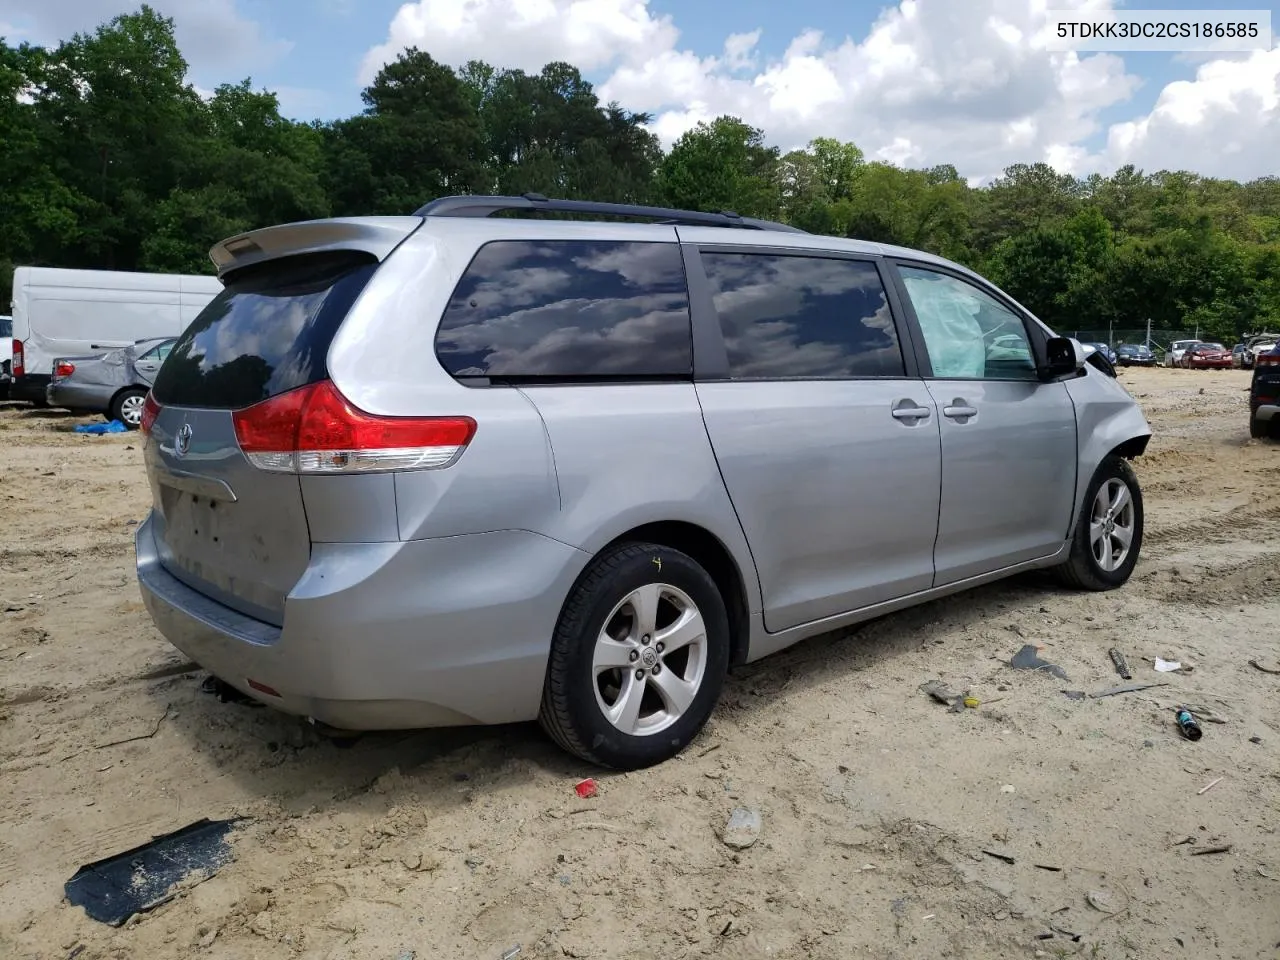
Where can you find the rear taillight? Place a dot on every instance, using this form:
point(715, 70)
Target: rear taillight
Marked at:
point(315, 429)
point(18, 366)
point(1267, 360)
point(63, 369)
point(150, 410)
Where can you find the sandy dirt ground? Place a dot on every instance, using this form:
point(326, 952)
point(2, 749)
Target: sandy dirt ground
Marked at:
point(880, 808)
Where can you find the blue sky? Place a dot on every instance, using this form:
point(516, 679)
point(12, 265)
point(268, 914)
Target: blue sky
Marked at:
point(916, 82)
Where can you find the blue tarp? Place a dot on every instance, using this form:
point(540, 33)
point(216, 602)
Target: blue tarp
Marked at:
point(115, 426)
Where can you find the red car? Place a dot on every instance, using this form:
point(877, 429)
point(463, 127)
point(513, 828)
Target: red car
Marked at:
point(1207, 356)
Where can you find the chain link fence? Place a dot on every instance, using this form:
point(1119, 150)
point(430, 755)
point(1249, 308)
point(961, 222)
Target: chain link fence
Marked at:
point(1159, 340)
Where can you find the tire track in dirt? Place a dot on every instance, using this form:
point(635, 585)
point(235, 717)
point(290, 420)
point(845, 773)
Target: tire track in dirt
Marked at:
point(1253, 580)
point(1248, 523)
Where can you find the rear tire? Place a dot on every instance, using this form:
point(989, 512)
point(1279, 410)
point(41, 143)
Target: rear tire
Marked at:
point(127, 407)
point(1259, 429)
point(638, 658)
point(1112, 511)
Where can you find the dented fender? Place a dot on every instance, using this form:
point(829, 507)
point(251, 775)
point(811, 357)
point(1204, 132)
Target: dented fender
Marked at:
point(1107, 417)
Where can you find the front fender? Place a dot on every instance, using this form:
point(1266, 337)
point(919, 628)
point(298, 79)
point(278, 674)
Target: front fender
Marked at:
point(1107, 419)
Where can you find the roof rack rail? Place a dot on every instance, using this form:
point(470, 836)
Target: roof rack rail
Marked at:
point(481, 206)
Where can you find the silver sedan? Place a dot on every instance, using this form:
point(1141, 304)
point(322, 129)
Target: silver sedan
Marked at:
point(114, 384)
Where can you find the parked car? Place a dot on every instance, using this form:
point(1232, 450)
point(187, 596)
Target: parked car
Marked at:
point(1103, 349)
point(453, 469)
point(1259, 344)
point(1176, 350)
point(1135, 355)
point(1238, 354)
point(1207, 356)
point(114, 384)
point(1264, 394)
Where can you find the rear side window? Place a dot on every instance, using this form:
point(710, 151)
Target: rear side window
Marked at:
point(803, 317)
point(566, 310)
point(267, 332)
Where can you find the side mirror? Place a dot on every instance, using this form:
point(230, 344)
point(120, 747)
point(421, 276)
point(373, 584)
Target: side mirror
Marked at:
point(1065, 357)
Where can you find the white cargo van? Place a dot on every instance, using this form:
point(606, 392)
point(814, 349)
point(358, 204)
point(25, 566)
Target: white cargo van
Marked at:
point(61, 313)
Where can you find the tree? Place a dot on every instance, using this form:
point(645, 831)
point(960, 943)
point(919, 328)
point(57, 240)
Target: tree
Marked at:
point(419, 138)
point(119, 124)
point(722, 165)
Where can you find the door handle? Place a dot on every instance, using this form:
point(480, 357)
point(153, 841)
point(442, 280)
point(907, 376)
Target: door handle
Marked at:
point(959, 410)
point(907, 410)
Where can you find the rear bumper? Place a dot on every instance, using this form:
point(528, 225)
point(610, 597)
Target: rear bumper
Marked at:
point(1266, 412)
point(73, 396)
point(29, 387)
point(381, 636)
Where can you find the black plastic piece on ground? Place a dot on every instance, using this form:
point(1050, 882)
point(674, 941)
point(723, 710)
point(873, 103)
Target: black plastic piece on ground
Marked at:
point(484, 206)
point(114, 889)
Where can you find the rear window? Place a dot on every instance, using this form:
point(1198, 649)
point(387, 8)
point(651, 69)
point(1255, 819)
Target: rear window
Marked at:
point(267, 332)
point(569, 310)
point(6, 327)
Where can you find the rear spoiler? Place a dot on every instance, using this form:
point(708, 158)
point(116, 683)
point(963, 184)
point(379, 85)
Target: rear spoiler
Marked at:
point(377, 236)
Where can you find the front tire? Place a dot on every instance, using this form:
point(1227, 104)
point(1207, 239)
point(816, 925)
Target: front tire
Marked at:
point(1108, 533)
point(638, 658)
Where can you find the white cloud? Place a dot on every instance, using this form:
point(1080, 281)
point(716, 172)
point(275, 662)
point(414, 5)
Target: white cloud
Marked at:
point(931, 81)
point(1226, 122)
point(590, 34)
point(212, 34)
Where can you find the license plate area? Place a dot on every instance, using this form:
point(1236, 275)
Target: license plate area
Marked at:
point(191, 519)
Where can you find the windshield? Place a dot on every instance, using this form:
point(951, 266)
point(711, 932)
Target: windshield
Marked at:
point(1211, 348)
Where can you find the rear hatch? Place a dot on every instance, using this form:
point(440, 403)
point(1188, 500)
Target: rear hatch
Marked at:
point(224, 526)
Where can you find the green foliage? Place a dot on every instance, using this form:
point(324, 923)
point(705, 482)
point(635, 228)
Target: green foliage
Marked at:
point(722, 165)
point(112, 160)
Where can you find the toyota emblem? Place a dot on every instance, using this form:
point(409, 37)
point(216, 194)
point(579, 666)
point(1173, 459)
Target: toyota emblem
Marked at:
point(182, 442)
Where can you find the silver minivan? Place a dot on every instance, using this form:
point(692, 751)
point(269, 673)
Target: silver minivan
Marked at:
point(459, 469)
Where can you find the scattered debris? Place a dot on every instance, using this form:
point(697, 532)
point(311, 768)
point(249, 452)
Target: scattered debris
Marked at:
point(1028, 658)
point(1000, 856)
point(1167, 666)
point(928, 916)
point(940, 692)
point(116, 888)
point(1125, 688)
point(1122, 667)
point(1008, 788)
point(972, 703)
point(1205, 851)
point(1100, 900)
point(1204, 713)
point(1045, 866)
point(1074, 694)
point(948, 697)
point(1184, 840)
point(585, 788)
point(143, 736)
point(1255, 739)
point(1266, 875)
point(1209, 786)
point(743, 828)
point(1188, 726)
point(512, 953)
point(1272, 667)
